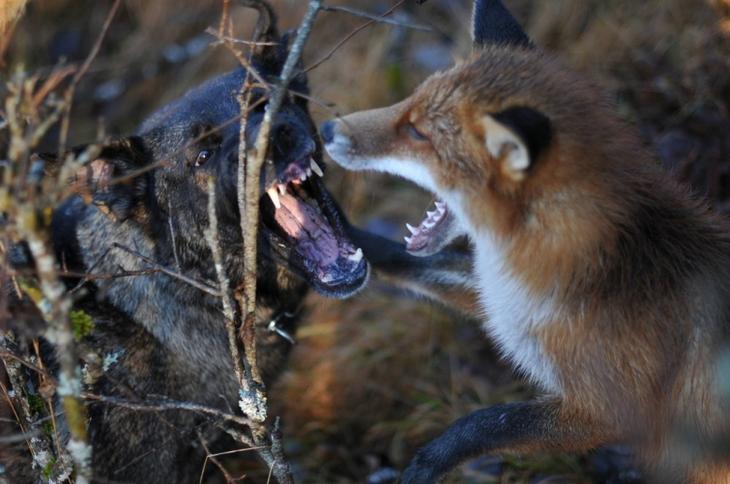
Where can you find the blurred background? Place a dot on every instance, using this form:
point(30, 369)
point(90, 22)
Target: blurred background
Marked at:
point(374, 377)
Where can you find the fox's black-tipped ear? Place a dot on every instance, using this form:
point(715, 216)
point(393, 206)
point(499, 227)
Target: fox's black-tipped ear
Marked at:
point(517, 136)
point(492, 23)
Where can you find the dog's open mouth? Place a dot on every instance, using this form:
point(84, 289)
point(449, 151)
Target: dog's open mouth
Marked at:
point(305, 221)
point(433, 233)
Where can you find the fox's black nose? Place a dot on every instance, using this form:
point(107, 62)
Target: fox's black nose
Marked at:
point(327, 131)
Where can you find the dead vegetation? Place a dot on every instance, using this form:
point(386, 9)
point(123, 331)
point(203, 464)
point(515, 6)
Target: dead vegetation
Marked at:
point(371, 379)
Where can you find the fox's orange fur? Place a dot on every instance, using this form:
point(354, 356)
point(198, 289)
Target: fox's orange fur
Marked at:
point(605, 282)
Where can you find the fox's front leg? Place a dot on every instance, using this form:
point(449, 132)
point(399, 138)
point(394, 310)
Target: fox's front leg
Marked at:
point(523, 427)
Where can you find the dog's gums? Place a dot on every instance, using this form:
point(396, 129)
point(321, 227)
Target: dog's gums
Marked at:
point(306, 221)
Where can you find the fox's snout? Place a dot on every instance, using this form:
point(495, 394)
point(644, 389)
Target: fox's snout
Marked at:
point(337, 143)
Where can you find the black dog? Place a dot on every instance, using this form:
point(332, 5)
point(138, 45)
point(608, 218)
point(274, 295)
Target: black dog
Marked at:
point(159, 337)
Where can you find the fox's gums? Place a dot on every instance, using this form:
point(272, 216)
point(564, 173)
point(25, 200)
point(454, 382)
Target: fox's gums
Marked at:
point(601, 279)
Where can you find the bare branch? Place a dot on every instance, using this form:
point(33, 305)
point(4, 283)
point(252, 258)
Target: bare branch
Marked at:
point(69, 94)
point(203, 286)
point(168, 405)
point(376, 18)
point(342, 42)
point(253, 171)
point(211, 235)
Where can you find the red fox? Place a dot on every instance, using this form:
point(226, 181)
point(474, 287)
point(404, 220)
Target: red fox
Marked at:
point(600, 278)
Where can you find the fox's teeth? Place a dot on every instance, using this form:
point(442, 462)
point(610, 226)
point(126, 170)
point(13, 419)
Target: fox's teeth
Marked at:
point(411, 228)
point(274, 195)
point(356, 257)
point(282, 188)
point(315, 167)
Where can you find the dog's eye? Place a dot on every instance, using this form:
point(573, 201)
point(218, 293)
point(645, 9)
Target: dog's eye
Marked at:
point(414, 133)
point(203, 156)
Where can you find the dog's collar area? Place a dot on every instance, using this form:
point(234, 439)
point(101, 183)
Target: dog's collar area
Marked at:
point(281, 322)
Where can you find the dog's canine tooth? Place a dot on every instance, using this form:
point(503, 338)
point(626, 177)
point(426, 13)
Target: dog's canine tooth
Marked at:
point(315, 167)
point(274, 196)
point(357, 256)
point(411, 228)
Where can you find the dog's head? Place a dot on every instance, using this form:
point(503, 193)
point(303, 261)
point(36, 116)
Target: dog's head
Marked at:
point(158, 180)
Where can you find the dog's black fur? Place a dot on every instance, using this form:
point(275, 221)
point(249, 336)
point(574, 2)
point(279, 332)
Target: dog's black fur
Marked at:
point(159, 338)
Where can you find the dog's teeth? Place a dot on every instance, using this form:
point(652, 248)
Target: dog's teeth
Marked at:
point(274, 196)
point(356, 257)
point(315, 167)
point(411, 228)
point(282, 188)
point(428, 224)
point(309, 172)
point(430, 213)
point(440, 205)
point(407, 239)
point(303, 176)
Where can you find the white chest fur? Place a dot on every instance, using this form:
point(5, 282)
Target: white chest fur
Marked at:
point(513, 314)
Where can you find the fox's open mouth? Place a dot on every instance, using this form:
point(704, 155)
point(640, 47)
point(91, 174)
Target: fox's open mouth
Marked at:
point(301, 217)
point(435, 231)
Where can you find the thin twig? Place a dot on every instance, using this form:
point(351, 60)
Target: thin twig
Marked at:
point(256, 401)
point(376, 18)
point(211, 235)
point(342, 42)
point(203, 286)
point(212, 458)
point(225, 38)
point(253, 172)
point(69, 94)
point(168, 405)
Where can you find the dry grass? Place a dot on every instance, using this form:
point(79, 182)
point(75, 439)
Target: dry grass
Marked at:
point(372, 378)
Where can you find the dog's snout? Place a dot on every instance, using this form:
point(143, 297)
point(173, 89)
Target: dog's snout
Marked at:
point(281, 131)
point(327, 130)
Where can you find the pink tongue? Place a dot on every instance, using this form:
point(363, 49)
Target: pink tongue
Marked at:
point(314, 237)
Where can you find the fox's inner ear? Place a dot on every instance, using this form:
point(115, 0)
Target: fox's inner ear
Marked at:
point(492, 23)
point(517, 136)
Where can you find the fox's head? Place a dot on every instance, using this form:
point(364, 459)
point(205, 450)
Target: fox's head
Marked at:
point(494, 137)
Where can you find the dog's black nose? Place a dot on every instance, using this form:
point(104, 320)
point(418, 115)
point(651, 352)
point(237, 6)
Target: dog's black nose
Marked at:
point(327, 130)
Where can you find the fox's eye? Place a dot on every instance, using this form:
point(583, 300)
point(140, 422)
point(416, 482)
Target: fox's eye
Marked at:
point(414, 133)
point(203, 156)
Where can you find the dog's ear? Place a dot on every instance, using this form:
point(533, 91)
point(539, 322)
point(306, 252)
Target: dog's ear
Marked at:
point(492, 23)
point(517, 137)
point(115, 179)
point(268, 49)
